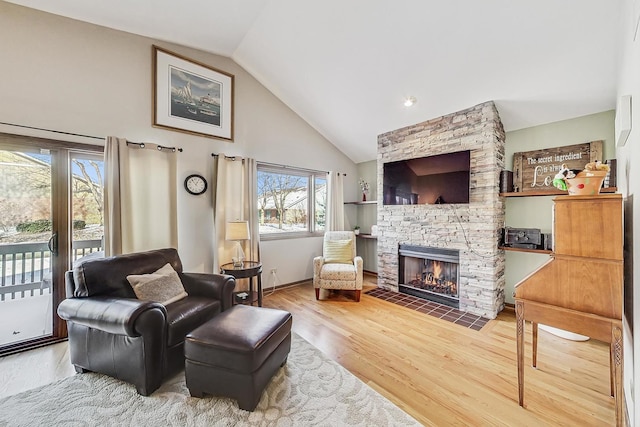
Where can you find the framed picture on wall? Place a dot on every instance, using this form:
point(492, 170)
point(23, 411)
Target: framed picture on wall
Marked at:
point(191, 97)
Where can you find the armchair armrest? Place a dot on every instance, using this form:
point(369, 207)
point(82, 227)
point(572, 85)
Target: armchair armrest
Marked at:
point(359, 264)
point(318, 262)
point(218, 286)
point(108, 314)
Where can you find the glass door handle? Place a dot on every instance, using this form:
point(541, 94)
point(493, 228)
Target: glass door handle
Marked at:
point(52, 244)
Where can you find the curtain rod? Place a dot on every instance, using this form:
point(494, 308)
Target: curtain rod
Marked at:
point(232, 158)
point(158, 146)
point(274, 164)
point(140, 144)
point(300, 169)
point(51, 130)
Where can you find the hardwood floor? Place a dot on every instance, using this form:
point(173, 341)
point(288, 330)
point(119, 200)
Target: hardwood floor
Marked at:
point(441, 373)
point(30, 369)
point(445, 374)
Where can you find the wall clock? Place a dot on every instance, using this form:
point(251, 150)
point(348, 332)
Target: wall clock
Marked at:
point(195, 184)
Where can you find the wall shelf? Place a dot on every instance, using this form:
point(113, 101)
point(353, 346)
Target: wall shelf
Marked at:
point(366, 236)
point(367, 243)
point(550, 192)
point(537, 251)
point(368, 202)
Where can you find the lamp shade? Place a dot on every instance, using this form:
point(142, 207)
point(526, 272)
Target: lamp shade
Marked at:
point(237, 230)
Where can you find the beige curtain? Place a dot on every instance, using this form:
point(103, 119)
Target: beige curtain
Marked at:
point(335, 202)
point(140, 197)
point(235, 198)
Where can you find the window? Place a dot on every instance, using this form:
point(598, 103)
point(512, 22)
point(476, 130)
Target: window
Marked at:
point(291, 202)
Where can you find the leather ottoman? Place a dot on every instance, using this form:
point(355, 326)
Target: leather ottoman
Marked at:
point(236, 353)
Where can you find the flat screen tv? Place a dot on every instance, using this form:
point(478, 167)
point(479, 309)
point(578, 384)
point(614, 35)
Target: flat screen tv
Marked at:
point(427, 180)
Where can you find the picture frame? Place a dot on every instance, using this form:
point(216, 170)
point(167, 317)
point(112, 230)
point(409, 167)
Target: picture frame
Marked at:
point(191, 97)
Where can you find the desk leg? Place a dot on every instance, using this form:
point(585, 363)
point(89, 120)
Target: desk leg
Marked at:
point(534, 347)
point(259, 289)
point(616, 346)
point(612, 367)
point(520, 349)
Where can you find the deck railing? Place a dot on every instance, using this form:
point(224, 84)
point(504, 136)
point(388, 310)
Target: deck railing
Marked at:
point(25, 267)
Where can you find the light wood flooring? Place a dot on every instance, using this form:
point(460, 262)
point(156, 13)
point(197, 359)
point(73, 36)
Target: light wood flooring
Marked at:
point(441, 373)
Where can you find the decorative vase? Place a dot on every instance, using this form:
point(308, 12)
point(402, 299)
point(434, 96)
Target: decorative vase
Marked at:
point(364, 197)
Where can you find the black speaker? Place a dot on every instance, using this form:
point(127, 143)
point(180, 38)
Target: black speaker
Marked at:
point(506, 181)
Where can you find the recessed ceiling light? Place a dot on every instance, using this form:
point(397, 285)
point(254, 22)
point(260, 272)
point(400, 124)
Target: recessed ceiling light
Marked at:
point(409, 101)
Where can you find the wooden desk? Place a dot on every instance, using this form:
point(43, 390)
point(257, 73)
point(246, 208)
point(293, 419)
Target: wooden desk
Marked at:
point(580, 288)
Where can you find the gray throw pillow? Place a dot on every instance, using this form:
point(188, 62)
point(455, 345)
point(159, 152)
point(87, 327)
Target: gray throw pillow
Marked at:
point(163, 286)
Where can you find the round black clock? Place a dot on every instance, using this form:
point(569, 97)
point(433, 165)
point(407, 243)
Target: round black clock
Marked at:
point(195, 184)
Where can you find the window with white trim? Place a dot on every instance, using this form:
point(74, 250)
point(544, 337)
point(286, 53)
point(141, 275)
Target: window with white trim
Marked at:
point(292, 202)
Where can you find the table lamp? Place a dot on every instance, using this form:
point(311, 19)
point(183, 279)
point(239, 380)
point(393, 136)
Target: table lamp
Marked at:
point(237, 231)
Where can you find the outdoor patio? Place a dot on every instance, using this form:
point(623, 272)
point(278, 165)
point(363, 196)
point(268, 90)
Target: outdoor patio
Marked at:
point(26, 306)
point(25, 318)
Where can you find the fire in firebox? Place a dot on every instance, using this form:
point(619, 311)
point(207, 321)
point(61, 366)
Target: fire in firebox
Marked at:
point(434, 278)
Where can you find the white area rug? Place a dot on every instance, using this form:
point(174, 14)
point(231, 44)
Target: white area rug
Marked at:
point(310, 390)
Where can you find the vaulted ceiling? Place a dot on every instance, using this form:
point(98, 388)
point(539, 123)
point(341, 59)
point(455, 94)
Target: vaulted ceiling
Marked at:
point(345, 66)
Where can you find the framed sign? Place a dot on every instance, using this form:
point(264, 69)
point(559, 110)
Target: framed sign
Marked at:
point(191, 97)
point(534, 170)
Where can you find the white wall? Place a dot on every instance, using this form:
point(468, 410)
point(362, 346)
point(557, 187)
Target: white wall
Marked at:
point(70, 76)
point(535, 212)
point(629, 84)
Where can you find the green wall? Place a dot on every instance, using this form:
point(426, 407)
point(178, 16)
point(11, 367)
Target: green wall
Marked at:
point(366, 216)
point(536, 212)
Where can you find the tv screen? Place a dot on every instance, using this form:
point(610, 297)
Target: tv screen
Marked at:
point(427, 180)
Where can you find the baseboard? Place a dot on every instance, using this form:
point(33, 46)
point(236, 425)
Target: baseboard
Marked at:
point(287, 285)
point(509, 307)
point(301, 282)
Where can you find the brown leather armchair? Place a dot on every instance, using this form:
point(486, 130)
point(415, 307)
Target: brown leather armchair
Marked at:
point(140, 342)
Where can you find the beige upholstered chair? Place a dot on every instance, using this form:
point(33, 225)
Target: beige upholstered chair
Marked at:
point(338, 267)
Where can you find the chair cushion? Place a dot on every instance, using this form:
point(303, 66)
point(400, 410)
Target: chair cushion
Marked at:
point(187, 314)
point(163, 285)
point(338, 272)
point(338, 251)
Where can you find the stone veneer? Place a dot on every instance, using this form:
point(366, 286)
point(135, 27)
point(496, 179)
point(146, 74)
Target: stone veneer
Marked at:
point(472, 228)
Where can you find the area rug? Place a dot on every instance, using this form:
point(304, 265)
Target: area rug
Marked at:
point(310, 390)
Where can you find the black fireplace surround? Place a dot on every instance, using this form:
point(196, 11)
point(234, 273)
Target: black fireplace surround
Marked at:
point(429, 273)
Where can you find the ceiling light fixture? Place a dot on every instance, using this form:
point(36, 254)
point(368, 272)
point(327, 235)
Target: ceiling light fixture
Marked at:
point(409, 101)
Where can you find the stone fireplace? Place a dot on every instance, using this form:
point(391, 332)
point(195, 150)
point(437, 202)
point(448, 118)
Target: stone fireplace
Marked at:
point(467, 233)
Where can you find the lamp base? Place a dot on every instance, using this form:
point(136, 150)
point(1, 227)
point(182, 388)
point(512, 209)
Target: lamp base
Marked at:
point(238, 259)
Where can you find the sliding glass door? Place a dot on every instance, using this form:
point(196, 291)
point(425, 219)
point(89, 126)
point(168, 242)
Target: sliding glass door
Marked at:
point(87, 220)
point(50, 215)
point(25, 235)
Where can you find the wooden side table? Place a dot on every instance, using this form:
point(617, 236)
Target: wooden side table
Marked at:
point(249, 270)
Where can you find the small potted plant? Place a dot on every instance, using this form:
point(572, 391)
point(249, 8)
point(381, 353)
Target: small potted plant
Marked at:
point(356, 229)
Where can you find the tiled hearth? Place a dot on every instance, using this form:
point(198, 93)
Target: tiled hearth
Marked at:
point(431, 308)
